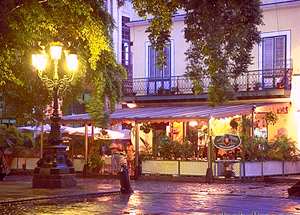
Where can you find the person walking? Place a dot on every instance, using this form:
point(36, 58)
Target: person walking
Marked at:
point(130, 157)
point(117, 151)
point(3, 166)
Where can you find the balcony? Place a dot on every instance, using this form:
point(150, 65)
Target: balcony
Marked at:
point(257, 83)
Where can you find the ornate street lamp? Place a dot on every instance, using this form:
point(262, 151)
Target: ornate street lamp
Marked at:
point(54, 169)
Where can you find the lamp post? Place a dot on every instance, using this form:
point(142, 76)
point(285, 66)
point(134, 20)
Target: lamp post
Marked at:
point(54, 169)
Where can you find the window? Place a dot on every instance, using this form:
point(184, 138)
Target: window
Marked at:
point(274, 52)
point(159, 79)
point(274, 58)
point(154, 71)
point(126, 56)
point(125, 42)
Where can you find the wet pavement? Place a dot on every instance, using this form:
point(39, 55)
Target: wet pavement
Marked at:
point(156, 197)
point(20, 188)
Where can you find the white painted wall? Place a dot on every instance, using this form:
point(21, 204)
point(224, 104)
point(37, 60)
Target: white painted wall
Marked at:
point(117, 13)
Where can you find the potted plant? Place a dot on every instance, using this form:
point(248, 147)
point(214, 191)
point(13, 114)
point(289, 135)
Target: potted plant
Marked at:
point(236, 87)
point(96, 163)
point(257, 86)
point(165, 148)
point(234, 124)
point(161, 91)
point(146, 128)
point(13, 143)
point(174, 90)
point(271, 118)
point(283, 148)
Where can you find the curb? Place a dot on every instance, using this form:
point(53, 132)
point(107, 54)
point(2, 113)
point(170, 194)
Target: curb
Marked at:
point(80, 195)
point(281, 180)
point(202, 179)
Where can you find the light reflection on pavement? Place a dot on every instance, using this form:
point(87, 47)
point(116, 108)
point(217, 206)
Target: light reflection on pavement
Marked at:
point(175, 198)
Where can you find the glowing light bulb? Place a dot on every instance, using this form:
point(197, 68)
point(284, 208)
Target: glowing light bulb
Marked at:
point(72, 61)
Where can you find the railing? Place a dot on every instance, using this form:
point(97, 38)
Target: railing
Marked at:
point(257, 80)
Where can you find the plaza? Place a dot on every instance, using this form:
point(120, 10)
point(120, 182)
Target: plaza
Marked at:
point(101, 196)
point(149, 107)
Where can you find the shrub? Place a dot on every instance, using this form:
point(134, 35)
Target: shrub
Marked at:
point(96, 162)
point(13, 140)
point(165, 148)
point(172, 149)
point(283, 148)
point(187, 150)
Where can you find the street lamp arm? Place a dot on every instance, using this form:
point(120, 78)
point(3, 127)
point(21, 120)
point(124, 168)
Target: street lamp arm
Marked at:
point(49, 82)
point(68, 78)
point(64, 82)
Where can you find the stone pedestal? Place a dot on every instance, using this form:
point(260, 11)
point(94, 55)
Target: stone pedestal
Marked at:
point(54, 170)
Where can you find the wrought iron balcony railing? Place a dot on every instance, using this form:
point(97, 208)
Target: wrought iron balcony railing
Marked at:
point(257, 80)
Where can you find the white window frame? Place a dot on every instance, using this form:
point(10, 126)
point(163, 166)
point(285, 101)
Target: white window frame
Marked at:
point(147, 44)
point(286, 33)
point(275, 34)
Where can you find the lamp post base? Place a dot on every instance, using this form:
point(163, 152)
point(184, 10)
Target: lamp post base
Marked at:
point(54, 181)
point(54, 170)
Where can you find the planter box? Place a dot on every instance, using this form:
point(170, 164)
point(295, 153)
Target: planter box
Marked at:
point(269, 168)
point(218, 167)
point(291, 167)
point(17, 163)
point(78, 164)
point(253, 168)
point(193, 168)
point(160, 167)
point(30, 163)
point(272, 168)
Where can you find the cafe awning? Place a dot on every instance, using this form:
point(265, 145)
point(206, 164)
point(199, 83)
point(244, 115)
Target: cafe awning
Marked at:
point(174, 113)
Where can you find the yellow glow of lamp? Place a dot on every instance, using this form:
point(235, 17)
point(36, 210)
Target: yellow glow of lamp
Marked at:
point(39, 61)
point(55, 52)
point(72, 61)
point(131, 105)
point(193, 123)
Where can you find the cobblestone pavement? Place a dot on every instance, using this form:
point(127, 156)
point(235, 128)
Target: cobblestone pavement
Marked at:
point(154, 197)
point(20, 187)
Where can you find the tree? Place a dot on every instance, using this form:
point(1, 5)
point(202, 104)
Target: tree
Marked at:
point(82, 26)
point(221, 35)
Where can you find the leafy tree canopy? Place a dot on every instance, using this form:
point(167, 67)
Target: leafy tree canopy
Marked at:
point(82, 26)
point(221, 35)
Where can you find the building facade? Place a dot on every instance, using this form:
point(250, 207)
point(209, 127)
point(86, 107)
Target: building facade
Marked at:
point(121, 12)
point(272, 76)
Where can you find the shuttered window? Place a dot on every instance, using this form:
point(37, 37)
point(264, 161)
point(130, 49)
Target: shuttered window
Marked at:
point(154, 72)
point(273, 60)
point(274, 52)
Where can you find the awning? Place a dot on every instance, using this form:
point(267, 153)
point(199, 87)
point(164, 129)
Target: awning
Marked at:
point(174, 113)
point(98, 134)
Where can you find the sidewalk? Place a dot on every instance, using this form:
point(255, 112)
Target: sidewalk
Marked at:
point(220, 180)
point(18, 188)
point(150, 197)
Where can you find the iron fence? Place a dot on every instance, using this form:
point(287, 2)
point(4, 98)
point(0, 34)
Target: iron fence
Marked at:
point(256, 80)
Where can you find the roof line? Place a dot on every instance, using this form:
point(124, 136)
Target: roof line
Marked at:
point(180, 17)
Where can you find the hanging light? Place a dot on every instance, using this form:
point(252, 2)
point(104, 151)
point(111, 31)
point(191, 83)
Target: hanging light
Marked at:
point(39, 61)
point(131, 105)
point(193, 123)
point(55, 52)
point(72, 61)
